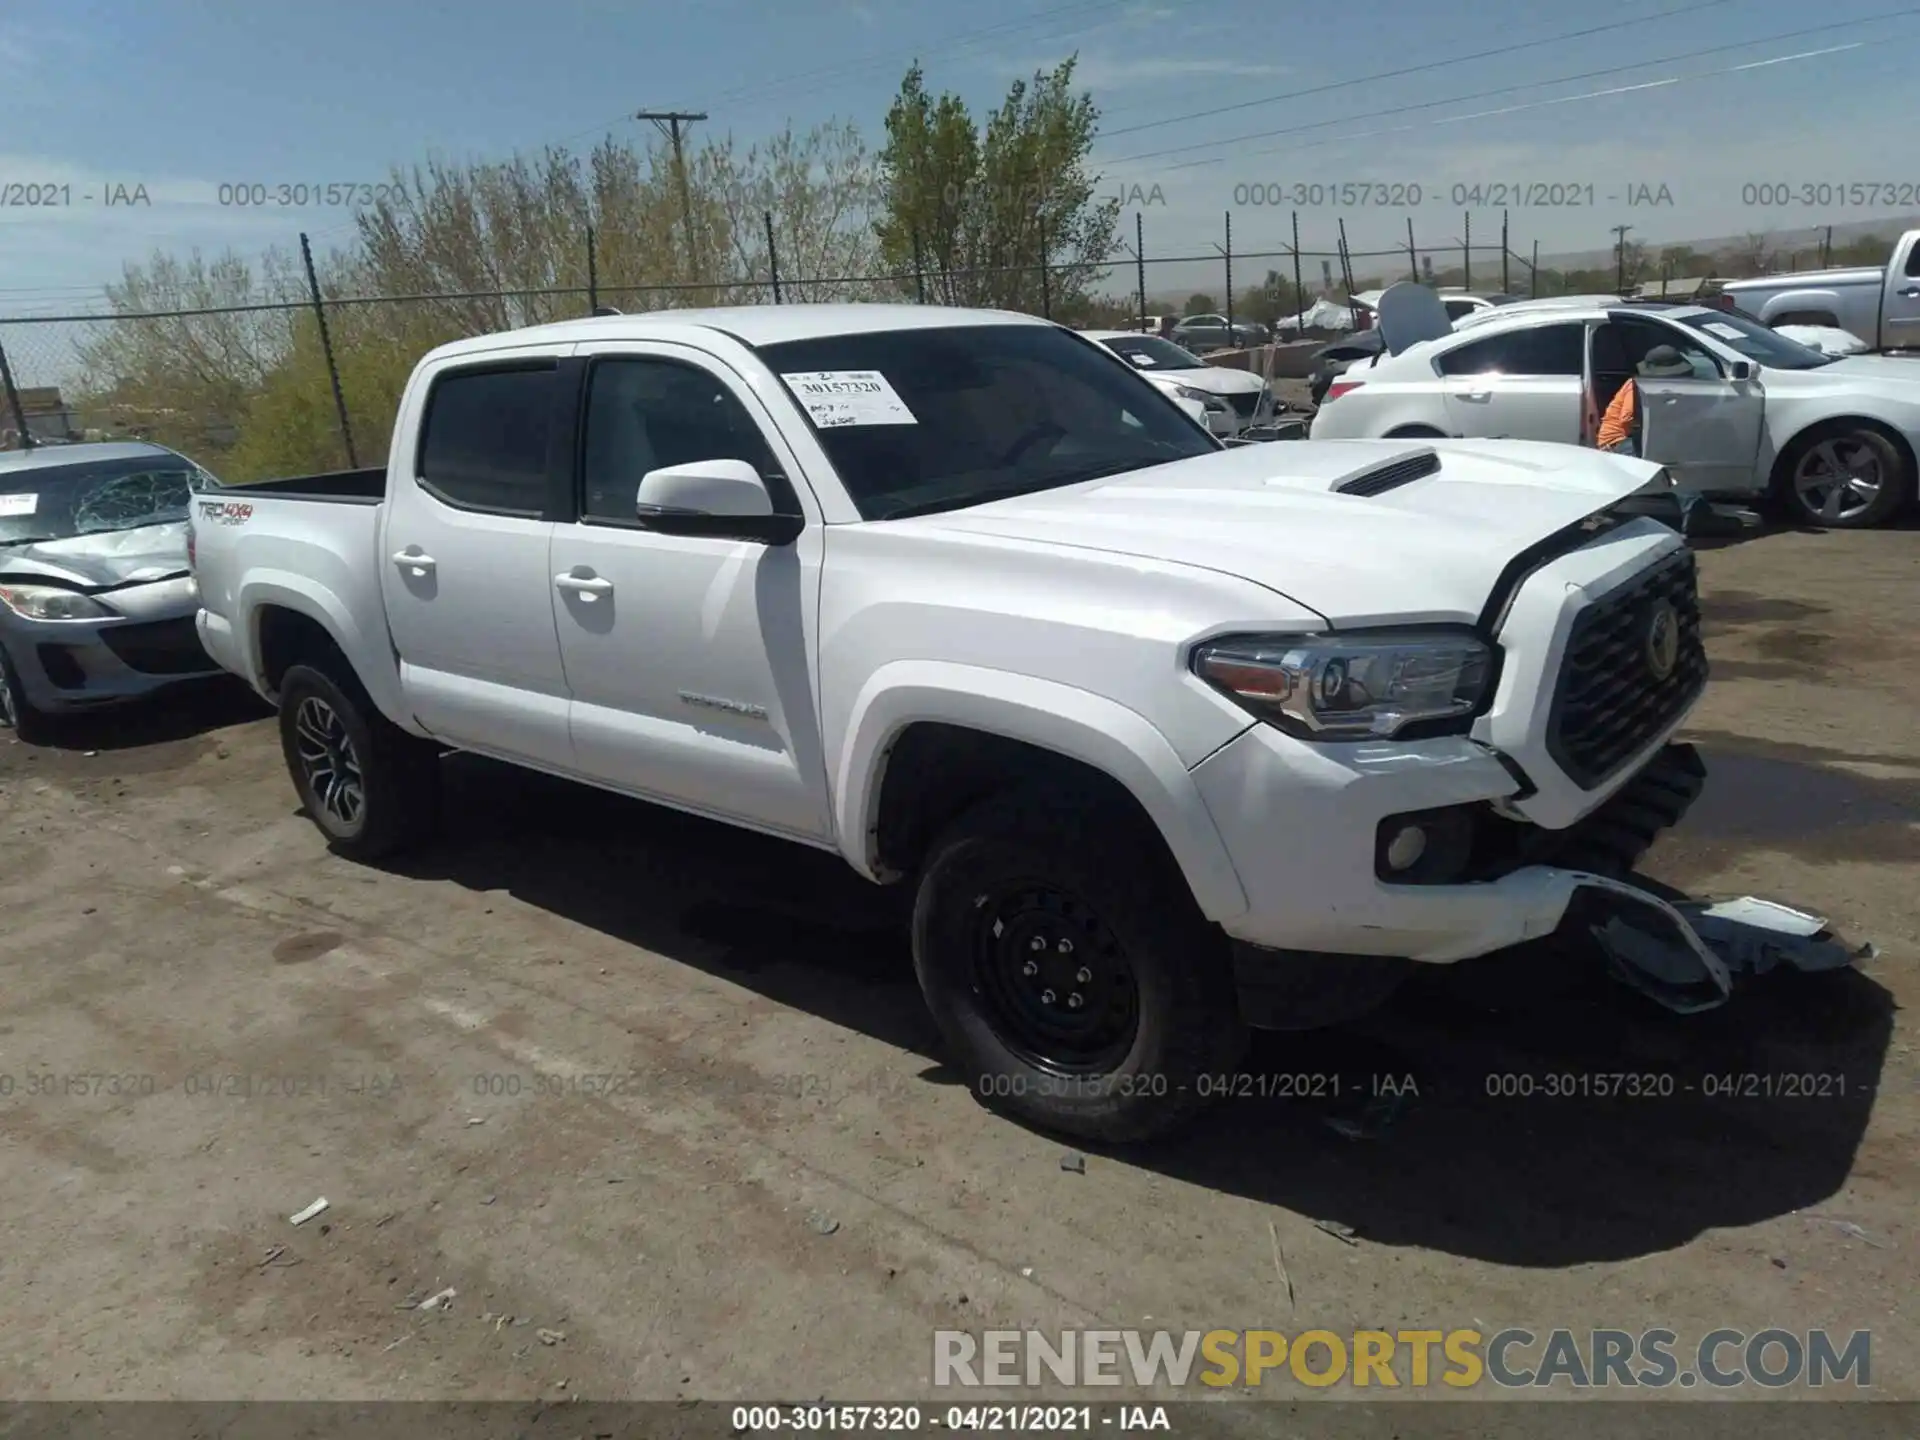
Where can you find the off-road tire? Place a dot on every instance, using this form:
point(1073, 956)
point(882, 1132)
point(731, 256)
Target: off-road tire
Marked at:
point(399, 773)
point(1187, 1033)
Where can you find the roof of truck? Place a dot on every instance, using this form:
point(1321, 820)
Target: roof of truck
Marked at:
point(751, 324)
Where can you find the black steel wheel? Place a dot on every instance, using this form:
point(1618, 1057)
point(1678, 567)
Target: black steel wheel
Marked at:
point(1059, 989)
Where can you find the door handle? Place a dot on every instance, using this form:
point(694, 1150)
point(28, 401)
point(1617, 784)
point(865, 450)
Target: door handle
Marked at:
point(1912, 292)
point(588, 585)
point(414, 560)
point(1474, 394)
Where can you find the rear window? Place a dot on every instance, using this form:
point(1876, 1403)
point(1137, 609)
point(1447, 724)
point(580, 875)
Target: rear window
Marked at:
point(486, 439)
point(1545, 350)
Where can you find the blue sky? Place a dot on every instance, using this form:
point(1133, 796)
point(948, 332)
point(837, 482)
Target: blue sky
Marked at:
point(181, 97)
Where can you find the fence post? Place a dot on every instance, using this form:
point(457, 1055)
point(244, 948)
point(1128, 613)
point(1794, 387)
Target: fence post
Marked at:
point(1140, 261)
point(593, 277)
point(919, 268)
point(1466, 251)
point(13, 402)
point(1506, 277)
point(1046, 294)
point(1413, 254)
point(1228, 252)
point(773, 256)
point(1299, 291)
point(1300, 294)
point(1533, 275)
point(326, 347)
point(1346, 274)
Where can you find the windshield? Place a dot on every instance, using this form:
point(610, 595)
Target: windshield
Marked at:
point(1754, 340)
point(56, 502)
point(948, 417)
point(1150, 352)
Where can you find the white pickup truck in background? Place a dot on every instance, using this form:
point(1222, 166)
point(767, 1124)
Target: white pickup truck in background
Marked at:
point(1171, 739)
point(1880, 304)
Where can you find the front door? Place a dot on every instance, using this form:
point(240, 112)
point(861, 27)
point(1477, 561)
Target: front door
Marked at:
point(1704, 427)
point(686, 655)
point(1520, 384)
point(1901, 298)
point(464, 567)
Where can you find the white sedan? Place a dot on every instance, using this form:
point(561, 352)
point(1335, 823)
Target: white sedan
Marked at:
point(1833, 439)
point(1234, 399)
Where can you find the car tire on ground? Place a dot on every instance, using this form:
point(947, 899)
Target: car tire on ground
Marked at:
point(1069, 969)
point(371, 788)
point(17, 713)
point(1798, 486)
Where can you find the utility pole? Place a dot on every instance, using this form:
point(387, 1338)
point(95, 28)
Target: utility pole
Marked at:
point(669, 123)
point(1620, 256)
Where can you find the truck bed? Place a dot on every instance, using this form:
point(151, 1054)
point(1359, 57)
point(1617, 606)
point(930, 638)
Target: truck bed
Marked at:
point(339, 487)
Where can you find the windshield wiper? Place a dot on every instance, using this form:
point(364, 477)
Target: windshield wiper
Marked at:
point(1009, 492)
point(29, 540)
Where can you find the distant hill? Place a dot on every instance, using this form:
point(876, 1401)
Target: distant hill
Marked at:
point(1784, 236)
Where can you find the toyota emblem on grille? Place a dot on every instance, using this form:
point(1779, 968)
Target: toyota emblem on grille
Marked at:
point(1663, 640)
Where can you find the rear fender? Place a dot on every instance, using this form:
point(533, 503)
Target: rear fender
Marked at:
point(370, 654)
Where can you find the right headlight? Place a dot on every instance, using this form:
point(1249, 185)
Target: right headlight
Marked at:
point(51, 602)
point(1359, 686)
point(1200, 397)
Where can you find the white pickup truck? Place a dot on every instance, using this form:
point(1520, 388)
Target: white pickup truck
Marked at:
point(1170, 738)
point(1880, 304)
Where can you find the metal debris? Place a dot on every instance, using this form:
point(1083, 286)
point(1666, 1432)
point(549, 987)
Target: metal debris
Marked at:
point(1345, 1234)
point(1279, 1265)
point(316, 1208)
point(1074, 1163)
point(1848, 1228)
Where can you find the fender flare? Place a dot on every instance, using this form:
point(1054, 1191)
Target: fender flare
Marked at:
point(304, 596)
point(1076, 723)
point(1788, 301)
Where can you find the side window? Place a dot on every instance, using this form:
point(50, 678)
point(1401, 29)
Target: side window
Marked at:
point(644, 414)
point(1913, 261)
point(1542, 350)
point(485, 442)
point(1639, 336)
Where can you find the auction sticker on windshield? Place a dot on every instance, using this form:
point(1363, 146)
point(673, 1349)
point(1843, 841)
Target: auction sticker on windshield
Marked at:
point(18, 504)
point(835, 398)
point(1725, 332)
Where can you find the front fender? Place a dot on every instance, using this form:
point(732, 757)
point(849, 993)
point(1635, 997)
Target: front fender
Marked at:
point(1076, 723)
point(369, 654)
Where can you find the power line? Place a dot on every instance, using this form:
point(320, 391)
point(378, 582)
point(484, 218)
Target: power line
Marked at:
point(1507, 89)
point(1416, 69)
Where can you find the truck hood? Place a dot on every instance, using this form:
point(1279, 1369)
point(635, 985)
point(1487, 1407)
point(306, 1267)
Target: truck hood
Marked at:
point(1428, 550)
point(96, 562)
point(1863, 367)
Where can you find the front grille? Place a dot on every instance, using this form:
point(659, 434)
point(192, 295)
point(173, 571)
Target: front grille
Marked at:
point(159, 647)
point(1610, 704)
point(1245, 403)
point(1393, 475)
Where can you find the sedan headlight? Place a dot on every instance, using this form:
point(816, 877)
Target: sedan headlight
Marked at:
point(1200, 397)
point(51, 602)
point(1352, 687)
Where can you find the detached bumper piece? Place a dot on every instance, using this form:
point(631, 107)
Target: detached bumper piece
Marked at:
point(1687, 956)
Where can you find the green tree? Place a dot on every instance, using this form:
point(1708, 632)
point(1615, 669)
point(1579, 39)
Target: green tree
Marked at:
point(1198, 304)
point(979, 207)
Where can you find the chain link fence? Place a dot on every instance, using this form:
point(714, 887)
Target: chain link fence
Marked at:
point(306, 382)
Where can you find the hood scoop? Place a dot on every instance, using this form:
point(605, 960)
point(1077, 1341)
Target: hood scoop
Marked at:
point(1392, 475)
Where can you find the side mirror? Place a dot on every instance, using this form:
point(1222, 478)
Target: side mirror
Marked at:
point(724, 499)
point(1741, 370)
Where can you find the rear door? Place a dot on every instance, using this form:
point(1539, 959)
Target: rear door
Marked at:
point(1520, 384)
point(465, 570)
point(1705, 427)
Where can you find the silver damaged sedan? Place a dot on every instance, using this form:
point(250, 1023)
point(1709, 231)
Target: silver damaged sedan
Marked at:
point(96, 600)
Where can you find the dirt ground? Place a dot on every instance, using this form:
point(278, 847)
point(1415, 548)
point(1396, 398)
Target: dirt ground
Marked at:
point(660, 1101)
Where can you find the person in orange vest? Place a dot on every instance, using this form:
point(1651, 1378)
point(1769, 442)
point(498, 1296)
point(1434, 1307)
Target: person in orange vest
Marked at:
point(1621, 426)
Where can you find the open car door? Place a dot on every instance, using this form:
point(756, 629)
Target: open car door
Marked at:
point(1704, 427)
point(1409, 313)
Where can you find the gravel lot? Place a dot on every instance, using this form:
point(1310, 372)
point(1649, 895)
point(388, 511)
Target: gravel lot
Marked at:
point(664, 1095)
